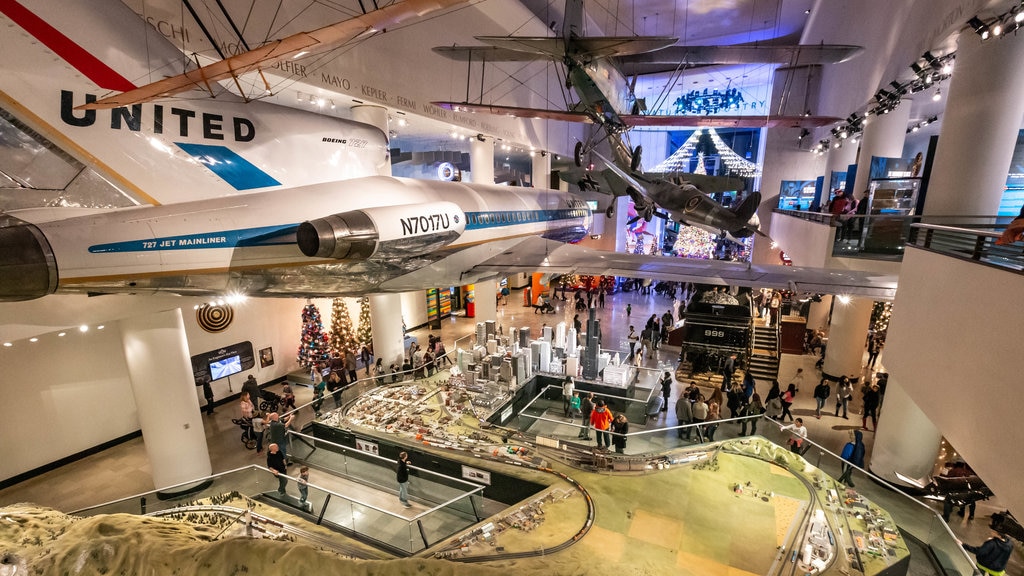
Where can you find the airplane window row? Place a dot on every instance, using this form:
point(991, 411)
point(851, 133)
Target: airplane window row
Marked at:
point(482, 218)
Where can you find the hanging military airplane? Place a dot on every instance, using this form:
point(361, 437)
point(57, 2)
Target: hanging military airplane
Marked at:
point(607, 99)
point(199, 196)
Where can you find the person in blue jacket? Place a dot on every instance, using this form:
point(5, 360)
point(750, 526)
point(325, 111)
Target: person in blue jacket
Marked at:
point(853, 455)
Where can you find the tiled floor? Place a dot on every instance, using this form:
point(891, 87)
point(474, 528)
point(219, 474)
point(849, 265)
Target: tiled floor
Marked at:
point(124, 469)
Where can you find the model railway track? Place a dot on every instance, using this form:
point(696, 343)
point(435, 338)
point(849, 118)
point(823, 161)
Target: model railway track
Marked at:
point(793, 552)
point(234, 514)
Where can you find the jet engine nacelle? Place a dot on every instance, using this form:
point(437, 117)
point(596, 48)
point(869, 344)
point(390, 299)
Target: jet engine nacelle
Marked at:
point(387, 232)
point(27, 266)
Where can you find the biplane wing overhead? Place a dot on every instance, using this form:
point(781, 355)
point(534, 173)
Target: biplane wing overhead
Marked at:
point(582, 47)
point(294, 46)
point(693, 121)
point(789, 55)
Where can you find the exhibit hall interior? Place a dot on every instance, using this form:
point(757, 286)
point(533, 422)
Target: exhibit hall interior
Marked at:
point(465, 286)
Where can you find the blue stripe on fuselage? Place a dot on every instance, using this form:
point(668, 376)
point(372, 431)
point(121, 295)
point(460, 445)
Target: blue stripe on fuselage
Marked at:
point(263, 236)
point(230, 167)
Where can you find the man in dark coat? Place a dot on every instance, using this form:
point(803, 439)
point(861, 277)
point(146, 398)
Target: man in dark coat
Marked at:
point(993, 555)
point(275, 462)
point(853, 453)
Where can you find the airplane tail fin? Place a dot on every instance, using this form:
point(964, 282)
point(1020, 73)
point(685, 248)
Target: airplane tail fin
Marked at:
point(573, 23)
point(747, 207)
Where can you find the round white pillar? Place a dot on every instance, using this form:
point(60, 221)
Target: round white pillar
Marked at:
point(540, 176)
point(486, 300)
point(883, 136)
point(375, 116)
point(160, 371)
point(817, 314)
point(481, 160)
point(979, 127)
point(846, 337)
point(386, 319)
point(906, 441)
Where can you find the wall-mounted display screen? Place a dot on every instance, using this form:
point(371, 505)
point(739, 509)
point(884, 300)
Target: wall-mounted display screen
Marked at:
point(225, 367)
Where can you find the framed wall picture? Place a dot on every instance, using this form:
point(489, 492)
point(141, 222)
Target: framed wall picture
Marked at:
point(266, 357)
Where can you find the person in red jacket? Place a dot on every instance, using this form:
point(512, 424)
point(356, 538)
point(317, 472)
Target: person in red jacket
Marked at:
point(601, 420)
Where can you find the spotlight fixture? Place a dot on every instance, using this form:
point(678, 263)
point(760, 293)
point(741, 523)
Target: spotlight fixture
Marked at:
point(918, 70)
point(977, 25)
point(480, 137)
point(947, 68)
point(1019, 17)
point(931, 60)
point(997, 29)
point(938, 95)
point(332, 104)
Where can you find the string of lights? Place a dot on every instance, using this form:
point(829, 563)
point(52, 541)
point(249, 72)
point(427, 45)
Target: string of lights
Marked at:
point(929, 71)
point(737, 164)
point(680, 159)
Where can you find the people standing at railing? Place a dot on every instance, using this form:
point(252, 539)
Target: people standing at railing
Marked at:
point(568, 389)
point(666, 389)
point(276, 464)
point(259, 426)
point(1014, 230)
point(852, 455)
point(365, 355)
point(753, 411)
point(799, 437)
point(734, 399)
point(601, 420)
point(402, 477)
point(278, 431)
point(993, 555)
point(303, 486)
point(700, 415)
point(334, 386)
point(441, 354)
point(711, 424)
point(684, 415)
point(620, 426)
point(318, 396)
point(586, 408)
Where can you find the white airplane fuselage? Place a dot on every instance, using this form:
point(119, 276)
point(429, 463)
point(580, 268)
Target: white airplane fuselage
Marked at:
point(379, 228)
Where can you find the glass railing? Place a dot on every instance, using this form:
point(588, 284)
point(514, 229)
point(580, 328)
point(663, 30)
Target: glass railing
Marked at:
point(969, 244)
point(452, 503)
point(884, 236)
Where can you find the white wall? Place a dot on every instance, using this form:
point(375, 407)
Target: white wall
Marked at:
point(75, 388)
point(806, 243)
point(414, 308)
point(954, 343)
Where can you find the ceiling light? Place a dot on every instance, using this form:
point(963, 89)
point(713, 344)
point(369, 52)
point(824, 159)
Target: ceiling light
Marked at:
point(938, 95)
point(61, 334)
point(1019, 17)
point(100, 327)
point(843, 299)
point(8, 344)
point(33, 339)
point(947, 68)
point(997, 29)
point(83, 328)
point(332, 105)
point(931, 59)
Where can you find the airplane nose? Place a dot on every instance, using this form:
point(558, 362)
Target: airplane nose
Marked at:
point(27, 267)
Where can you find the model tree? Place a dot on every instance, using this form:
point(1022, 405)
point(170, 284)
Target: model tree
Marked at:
point(365, 333)
point(314, 344)
point(342, 335)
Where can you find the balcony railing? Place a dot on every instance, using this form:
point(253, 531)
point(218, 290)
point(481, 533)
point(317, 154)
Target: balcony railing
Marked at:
point(884, 236)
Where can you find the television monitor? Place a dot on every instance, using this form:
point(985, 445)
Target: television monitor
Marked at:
point(225, 367)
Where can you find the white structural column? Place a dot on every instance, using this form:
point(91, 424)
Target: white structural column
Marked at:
point(486, 302)
point(980, 123)
point(817, 314)
point(540, 176)
point(481, 160)
point(386, 319)
point(883, 136)
point(906, 440)
point(846, 336)
point(838, 160)
point(160, 370)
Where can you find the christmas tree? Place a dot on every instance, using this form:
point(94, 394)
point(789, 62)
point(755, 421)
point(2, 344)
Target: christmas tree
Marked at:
point(342, 337)
point(313, 346)
point(365, 333)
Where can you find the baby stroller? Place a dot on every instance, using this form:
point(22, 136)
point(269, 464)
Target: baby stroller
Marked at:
point(544, 307)
point(269, 401)
point(248, 435)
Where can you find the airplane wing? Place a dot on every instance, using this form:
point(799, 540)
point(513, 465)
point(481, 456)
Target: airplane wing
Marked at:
point(566, 116)
point(294, 46)
point(593, 47)
point(734, 121)
point(790, 55)
point(649, 120)
point(489, 54)
point(558, 258)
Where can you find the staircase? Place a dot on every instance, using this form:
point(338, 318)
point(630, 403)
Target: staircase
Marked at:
point(764, 354)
